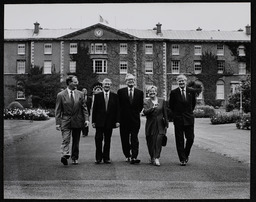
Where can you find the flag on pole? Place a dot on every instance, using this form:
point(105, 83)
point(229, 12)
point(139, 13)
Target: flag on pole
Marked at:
point(101, 19)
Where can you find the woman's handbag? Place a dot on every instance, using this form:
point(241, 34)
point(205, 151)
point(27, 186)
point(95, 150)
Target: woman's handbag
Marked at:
point(164, 140)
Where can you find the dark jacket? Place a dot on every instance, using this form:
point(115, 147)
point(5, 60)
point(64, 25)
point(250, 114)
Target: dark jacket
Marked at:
point(102, 117)
point(130, 112)
point(182, 111)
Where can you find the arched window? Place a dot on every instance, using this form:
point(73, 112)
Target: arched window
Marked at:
point(220, 90)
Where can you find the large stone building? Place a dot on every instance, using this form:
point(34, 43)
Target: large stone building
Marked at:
point(154, 56)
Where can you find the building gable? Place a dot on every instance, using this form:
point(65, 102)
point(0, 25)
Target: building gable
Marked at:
point(98, 32)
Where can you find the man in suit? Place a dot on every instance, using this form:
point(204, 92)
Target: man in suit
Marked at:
point(131, 104)
point(182, 103)
point(105, 117)
point(71, 115)
point(88, 101)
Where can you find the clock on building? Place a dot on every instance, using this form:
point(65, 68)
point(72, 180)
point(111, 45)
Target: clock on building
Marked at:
point(98, 32)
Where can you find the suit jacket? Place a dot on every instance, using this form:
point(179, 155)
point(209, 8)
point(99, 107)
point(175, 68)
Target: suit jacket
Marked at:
point(67, 116)
point(182, 110)
point(130, 112)
point(102, 117)
point(157, 118)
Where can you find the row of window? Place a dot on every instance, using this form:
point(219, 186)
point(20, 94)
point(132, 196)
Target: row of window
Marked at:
point(100, 66)
point(101, 48)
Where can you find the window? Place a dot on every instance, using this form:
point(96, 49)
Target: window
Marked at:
point(48, 48)
point(73, 48)
point(47, 67)
point(149, 49)
point(99, 66)
point(99, 48)
point(21, 49)
point(221, 66)
point(220, 90)
point(149, 67)
point(123, 67)
point(21, 67)
point(241, 51)
point(123, 48)
point(220, 49)
point(198, 50)
point(197, 67)
point(175, 66)
point(72, 66)
point(20, 94)
point(175, 50)
point(242, 68)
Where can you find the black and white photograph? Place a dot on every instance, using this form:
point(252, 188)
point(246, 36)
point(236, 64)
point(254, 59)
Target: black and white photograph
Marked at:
point(130, 101)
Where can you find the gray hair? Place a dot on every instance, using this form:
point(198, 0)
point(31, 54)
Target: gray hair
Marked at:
point(152, 87)
point(181, 76)
point(107, 80)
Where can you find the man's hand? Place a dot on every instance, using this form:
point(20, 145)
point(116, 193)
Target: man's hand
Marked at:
point(117, 125)
point(86, 124)
point(57, 127)
point(93, 125)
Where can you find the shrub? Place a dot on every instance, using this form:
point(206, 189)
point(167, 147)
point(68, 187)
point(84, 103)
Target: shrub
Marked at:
point(204, 111)
point(26, 114)
point(223, 118)
point(244, 122)
point(15, 105)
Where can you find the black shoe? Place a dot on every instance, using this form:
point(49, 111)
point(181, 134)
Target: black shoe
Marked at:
point(183, 163)
point(64, 161)
point(98, 161)
point(134, 161)
point(107, 161)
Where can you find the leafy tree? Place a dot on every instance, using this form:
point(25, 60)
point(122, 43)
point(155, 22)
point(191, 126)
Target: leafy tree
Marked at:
point(42, 87)
point(234, 99)
point(84, 70)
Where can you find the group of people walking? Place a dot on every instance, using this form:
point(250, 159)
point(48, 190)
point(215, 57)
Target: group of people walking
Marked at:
point(123, 110)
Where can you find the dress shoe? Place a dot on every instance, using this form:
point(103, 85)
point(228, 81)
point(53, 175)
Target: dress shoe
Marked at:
point(64, 161)
point(186, 161)
point(75, 162)
point(157, 163)
point(107, 161)
point(98, 161)
point(151, 160)
point(183, 163)
point(134, 161)
point(128, 159)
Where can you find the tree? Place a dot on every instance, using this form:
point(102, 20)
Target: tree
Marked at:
point(42, 87)
point(234, 99)
point(84, 70)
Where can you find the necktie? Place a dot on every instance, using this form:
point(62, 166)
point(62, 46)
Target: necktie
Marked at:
point(106, 101)
point(72, 98)
point(183, 95)
point(130, 95)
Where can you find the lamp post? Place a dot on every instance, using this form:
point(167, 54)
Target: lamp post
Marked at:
point(241, 100)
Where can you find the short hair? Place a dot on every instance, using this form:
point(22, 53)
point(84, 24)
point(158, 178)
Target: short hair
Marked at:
point(152, 87)
point(181, 76)
point(107, 80)
point(84, 89)
point(129, 76)
point(69, 79)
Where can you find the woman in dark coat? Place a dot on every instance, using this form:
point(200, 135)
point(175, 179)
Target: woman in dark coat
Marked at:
point(156, 124)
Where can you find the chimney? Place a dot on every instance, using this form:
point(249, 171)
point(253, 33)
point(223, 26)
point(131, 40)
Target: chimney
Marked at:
point(248, 30)
point(198, 29)
point(158, 28)
point(36, 29)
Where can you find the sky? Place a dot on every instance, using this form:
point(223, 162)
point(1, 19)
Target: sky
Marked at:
point(172, 16)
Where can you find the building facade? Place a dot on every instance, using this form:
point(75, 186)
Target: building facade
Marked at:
point(154, 56)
